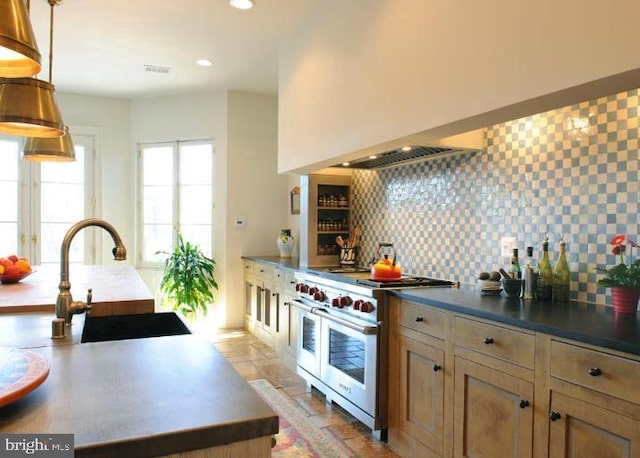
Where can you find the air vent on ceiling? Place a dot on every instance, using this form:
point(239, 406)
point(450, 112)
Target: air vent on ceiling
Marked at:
point(399, 156)
point(157, 69)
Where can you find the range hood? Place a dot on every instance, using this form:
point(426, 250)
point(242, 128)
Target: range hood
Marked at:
point(400, 156)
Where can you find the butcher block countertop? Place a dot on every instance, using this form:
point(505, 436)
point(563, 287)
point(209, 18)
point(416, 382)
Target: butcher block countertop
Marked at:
point(117, 289)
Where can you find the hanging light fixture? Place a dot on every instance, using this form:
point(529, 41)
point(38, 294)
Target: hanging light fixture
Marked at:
point(57, 149)
point(28, 106)
point(19, 55)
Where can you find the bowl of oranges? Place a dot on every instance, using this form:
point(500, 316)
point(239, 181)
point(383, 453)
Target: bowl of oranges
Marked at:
point(14, 268)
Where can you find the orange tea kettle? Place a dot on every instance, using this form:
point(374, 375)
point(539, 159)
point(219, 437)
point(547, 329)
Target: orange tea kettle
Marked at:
point(385, 269)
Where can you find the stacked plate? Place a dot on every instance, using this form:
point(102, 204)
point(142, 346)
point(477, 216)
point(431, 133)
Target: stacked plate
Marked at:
point(490, 287)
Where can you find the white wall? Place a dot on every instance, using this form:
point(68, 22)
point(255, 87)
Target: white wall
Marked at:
point(355, 77)
point(255, 193)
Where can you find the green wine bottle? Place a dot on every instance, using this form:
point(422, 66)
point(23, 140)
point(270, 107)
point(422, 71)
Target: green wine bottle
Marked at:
point(561, 277)
point(544, 287)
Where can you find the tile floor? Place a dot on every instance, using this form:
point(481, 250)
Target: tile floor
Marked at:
point(255, 360)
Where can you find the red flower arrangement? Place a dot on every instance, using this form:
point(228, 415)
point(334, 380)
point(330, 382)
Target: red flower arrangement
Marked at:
point(621, 274)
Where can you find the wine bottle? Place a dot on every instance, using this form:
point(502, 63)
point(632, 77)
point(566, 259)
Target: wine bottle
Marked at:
point(530, 275)
point(561, 277)
point(514, 269)
point(544, 287)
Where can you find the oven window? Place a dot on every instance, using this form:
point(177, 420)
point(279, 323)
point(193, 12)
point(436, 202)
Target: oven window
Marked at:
point(309, 335)
point(347, 354)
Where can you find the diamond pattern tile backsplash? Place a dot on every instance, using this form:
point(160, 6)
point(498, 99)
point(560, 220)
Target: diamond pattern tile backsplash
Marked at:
point(571, 172)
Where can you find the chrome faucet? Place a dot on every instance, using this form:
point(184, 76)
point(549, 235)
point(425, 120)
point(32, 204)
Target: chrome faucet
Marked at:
point(65, 306)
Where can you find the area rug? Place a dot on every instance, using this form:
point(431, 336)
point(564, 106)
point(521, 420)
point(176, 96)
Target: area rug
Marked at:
point(298, 436)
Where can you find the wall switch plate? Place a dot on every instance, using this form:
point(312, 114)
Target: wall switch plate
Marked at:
point(507, 244)
point(239, 223)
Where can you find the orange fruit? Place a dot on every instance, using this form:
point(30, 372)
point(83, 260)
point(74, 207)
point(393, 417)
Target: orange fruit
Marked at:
point(11, 270)
point(1, 269)
point(23, 266)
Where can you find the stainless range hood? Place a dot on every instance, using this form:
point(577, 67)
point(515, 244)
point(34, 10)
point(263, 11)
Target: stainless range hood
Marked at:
point(400, 156)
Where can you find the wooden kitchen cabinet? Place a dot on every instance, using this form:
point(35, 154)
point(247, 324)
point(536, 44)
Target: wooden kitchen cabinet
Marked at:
point(493, 412)
point(595, 403)
point(493, 394)
point(417, 381)
point(505, 391)
point(261, 301)
point(287, 319)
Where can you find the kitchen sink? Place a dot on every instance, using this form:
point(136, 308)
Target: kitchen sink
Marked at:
point(136, 326)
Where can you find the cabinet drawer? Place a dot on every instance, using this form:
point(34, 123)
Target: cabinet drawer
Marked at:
point(248, 267)
point(497, 341)
point(422, 319)
point(598, 371)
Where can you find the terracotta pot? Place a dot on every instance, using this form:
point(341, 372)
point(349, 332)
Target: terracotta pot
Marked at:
point(625, 299)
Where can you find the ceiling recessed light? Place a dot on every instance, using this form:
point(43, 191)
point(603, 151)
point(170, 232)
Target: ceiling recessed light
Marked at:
point(346, 164)
point(204, 62)
point(373, 156)
point(242, 4)
point(406, 148)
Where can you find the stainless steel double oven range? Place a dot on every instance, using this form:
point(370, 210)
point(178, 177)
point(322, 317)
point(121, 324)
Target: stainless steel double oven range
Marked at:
point(343, 341)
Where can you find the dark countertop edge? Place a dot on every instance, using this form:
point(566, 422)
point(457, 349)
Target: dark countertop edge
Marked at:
point(183, 441)
point(557, 331)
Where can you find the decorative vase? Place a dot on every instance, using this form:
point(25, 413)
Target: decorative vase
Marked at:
point(285, 242)
point(625, 299)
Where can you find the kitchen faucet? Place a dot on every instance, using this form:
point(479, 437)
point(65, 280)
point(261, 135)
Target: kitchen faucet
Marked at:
point(65, 306)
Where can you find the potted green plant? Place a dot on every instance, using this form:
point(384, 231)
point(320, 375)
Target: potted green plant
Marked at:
point(623, 279)
point(187, 279)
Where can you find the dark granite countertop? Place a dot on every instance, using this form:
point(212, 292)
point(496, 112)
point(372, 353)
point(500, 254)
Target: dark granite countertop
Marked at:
point(142, 397)
point(588, 323)
point(593, 324)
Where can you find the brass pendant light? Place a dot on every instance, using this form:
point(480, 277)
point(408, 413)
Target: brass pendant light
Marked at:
point(19, 55)
point(28, 106)
point(56, 149)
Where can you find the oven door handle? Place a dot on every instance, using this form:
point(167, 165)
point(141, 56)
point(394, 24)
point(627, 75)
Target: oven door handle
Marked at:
point(366, 330)
point(302, 306)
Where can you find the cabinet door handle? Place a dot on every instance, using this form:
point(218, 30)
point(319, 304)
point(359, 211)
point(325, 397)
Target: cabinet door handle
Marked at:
point(524, 403)
point(286, 304)
point(595, 371)
point(419, 319)
point(274, 294)
point(488, 340)
point(555, 416)
point(436, 367)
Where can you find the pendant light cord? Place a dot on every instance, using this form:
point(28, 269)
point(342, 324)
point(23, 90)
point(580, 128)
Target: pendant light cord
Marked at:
point(53, 3)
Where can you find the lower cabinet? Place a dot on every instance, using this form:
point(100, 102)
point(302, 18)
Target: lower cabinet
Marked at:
point(261, 301)
point(421, 393)
point(493, 412)
point(287, 332)
point(417, 382)
point(268, 293)
point(461, 386)
point(584, 429)
point(595, 403)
